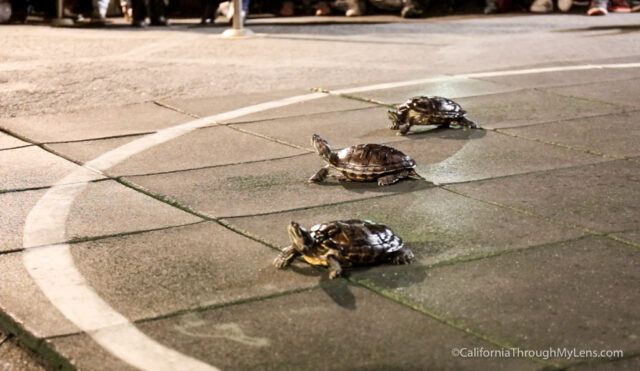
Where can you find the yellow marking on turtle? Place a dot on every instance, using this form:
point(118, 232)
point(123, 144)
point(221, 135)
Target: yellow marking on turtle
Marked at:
point(315, 261)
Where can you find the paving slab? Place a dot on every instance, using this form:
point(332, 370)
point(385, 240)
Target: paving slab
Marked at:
point(15, 208)
point(210, 146)
point(262, 187)
point(624, 92)
point(435, 224)
point(207, 106)
point(33, 167)
point(188, 267)
point(22, 299)
point(95, 122)
point(491, 154)
point(527, 107)
point(86, 354)
point(614, 135)
point(340, 129)
point(565, 78)
point(328, 103)
point(284, 333)
point(14, 357)
point(630, 364)
point(107, 208)
point(8, 141)
point(452, 89)
point(603, 197)
point(580, 294)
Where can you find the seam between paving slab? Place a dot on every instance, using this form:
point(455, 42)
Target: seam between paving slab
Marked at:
point(619, 105)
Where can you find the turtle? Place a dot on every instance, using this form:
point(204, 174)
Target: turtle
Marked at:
point(344, 243)
point(364, 162)
point(425, 110)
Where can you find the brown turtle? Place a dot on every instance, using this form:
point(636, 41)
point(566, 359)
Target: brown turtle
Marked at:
point(428, 111)
point(364, 162)
point(344, 243)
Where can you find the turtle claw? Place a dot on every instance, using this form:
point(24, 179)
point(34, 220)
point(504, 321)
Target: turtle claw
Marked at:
point(334, 274)
point(280, 262)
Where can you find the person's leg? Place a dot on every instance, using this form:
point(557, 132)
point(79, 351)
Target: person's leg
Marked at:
point(139, 8)
point(157, 11)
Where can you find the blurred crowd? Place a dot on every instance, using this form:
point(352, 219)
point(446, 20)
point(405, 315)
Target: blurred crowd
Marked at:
point(141, 13)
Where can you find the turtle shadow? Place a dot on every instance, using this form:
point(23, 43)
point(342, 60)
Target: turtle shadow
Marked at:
point(339, 291)
point(402, 186)
point(447, 133)
point(390, 277)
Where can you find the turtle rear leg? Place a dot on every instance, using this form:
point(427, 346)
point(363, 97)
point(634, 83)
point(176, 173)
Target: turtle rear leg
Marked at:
point(335, 269)
point(403, 256)
point(320, 175)
point(285, 257)
point(392, 178)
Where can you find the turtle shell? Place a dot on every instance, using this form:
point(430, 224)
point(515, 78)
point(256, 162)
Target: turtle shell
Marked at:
point(370, 161)
point(434, 106)
point(357, 241)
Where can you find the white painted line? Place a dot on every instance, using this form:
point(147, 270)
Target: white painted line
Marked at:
point(51, 264)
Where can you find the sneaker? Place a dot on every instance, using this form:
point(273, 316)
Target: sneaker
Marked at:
point(598, 7)
point(541, 6)
point(619, 6)
point(565, 5)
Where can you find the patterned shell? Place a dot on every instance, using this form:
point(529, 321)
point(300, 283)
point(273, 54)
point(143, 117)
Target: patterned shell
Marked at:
point(373, 159)
point(359, 241)
point(436, 106)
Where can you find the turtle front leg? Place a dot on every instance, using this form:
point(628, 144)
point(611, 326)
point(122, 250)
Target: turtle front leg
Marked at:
point(335, 269)
point(320, 175)
point(404, 129)
point(285, 257)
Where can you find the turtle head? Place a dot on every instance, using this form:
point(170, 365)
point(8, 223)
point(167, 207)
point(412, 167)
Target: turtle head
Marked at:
point(323, 148)
point(394, 116)
point(300, 237)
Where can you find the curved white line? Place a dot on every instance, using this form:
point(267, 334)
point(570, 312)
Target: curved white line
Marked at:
point(50, 263)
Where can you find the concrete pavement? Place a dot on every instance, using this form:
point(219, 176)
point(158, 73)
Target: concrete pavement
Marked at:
point(142, 210)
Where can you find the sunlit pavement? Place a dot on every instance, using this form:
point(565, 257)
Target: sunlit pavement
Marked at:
point(137, 198)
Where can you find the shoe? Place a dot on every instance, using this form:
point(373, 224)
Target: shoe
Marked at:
point(322, 8)
point(492, 7)
point(541, 6)
point(410, 11)
point(597, 7)
point(565, 5)
point(619, 6)
point(160, 21)
point(356, 8)
point(139, 23)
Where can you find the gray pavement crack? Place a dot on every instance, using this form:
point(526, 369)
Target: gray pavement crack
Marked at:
point(200, 309)
point(597, 101)
point(26, 189)
point(210, 166)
